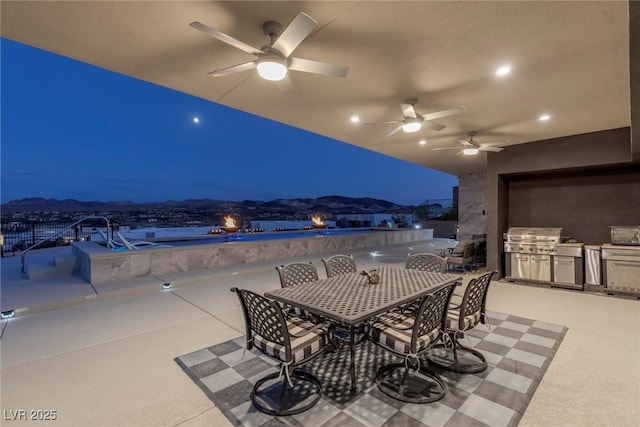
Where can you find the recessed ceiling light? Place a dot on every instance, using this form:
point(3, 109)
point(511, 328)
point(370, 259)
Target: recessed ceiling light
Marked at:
point(544, 117)
point(355, 119)
point(422, 142)
point(503, 71)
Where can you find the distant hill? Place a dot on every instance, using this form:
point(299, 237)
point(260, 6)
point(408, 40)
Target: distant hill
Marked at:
point(334, 203)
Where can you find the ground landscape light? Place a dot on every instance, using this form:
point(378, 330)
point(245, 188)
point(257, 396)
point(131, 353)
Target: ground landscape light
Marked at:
point(166, 285)
point(7, 314)
point(272, 69)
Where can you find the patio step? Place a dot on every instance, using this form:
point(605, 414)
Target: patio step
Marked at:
point(59, 266)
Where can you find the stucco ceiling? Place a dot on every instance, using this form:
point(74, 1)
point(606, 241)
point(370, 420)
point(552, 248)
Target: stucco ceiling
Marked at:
point(569, 59)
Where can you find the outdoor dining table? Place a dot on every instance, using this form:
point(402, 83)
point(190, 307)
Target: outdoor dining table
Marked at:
point(349, 300)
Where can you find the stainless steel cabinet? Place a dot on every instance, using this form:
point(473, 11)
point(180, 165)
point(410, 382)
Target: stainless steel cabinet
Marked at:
point(540, 268)
point(564, 270)
point(520, 267)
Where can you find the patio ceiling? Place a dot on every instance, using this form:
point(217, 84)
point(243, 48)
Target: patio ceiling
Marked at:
point(569, 59)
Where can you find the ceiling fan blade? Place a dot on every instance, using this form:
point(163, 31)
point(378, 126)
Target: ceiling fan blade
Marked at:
point(233, 69)
point(393, 132)
point(309, 66)
point(383, 123)
point(294, 34)
point(496, 143)
point(285, 84)
point(225, 38)
point(433, 125)
point(492, 149)
point(443, 113)
point(408, 111)
point(446, 148)
point(465, 143)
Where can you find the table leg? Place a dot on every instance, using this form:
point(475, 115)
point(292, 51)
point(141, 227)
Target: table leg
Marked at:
point(352, 353)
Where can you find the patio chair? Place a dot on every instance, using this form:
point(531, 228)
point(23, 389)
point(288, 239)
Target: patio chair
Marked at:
point(479, 253)
point(340, 264)
point(297, 273)
point(463, 317)
point(411, 336)
point(463, 259)
point(426, 262)
point(292, 342)
point(423, 262)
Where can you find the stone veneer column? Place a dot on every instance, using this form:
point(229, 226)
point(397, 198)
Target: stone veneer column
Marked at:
point(472, 205)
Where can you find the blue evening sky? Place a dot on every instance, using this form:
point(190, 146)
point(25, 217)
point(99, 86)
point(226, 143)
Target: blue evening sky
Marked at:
point(73, 130)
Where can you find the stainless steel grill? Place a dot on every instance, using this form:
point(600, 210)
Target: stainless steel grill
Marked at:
point(542, 255)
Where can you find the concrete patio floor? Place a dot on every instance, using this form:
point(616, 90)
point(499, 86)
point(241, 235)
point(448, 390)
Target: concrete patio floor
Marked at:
point(103, 356)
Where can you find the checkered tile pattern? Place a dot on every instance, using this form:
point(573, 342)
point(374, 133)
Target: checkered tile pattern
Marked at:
point(518, 352)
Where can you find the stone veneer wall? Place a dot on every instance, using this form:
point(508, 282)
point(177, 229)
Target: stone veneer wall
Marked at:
point(472, 205)
point(97, 264)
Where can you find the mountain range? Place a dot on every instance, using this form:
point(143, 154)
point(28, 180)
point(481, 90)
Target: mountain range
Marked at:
point(333, 203)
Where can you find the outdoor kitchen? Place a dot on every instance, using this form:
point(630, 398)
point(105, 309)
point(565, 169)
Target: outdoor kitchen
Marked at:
point(547, 256)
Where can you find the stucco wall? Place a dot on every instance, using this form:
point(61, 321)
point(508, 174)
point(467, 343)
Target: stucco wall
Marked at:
point(472, 205)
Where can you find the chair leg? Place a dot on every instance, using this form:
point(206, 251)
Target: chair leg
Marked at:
point(459, 359)
point(280, 399)
point(423, 386)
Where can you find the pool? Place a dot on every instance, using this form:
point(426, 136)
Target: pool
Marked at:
point(96, 264)
point(257, 237)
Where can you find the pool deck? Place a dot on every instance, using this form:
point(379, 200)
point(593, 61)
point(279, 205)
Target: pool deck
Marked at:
point(104, 355)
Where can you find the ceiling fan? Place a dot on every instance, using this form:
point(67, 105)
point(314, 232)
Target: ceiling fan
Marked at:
point(413, 122)
point(471, 148)
point(273, 59)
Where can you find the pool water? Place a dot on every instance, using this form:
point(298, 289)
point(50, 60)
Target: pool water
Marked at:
point(256, 237)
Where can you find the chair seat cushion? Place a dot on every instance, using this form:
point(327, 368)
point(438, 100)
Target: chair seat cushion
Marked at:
point(301, 347)
point(458, 251)
point(385, 331)
point(453, 320)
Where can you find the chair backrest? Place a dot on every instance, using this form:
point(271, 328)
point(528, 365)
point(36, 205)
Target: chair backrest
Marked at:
point(479, 253)
point(297, 273)
point(474, 300)
point(340, 264)
point(265, 318)
point(426, 262)
point(432, 314)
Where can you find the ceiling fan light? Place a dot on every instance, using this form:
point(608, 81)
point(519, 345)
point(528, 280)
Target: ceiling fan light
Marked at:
point(272, 69)
point(470, 151)
point(411, 126)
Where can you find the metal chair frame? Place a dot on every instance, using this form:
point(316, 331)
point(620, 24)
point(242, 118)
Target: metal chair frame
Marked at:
point(465, 260)
point(297, 273)
point(426, 262)
point(430, 316)
point(461, 318)
point(337, 265)
point(265, 318)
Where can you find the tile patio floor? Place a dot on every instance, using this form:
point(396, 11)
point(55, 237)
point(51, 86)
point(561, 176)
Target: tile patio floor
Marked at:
point(103, 356)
